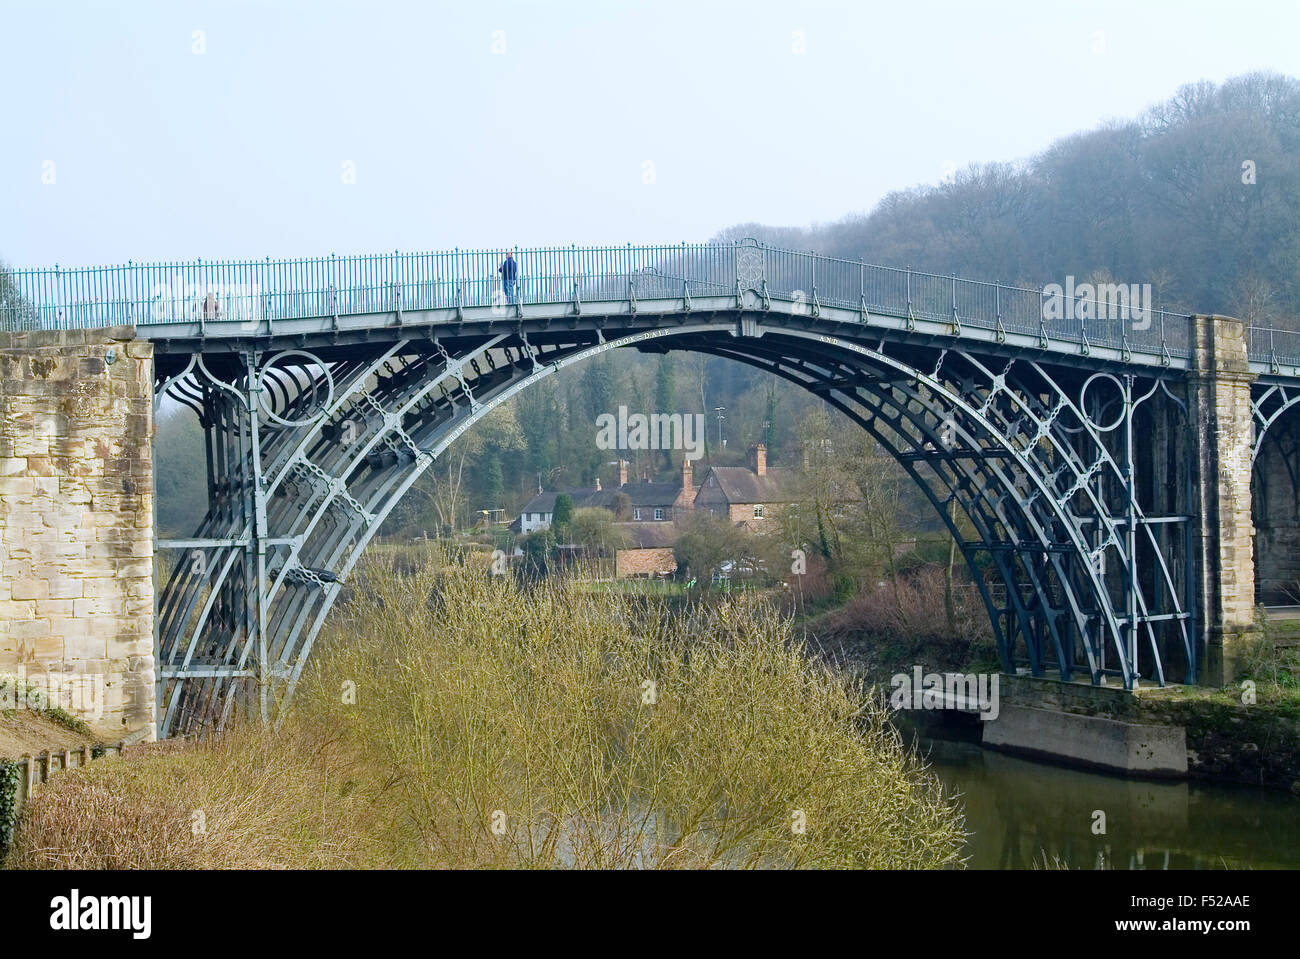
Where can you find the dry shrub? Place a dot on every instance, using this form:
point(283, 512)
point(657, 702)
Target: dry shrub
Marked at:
point(531, 710)
point(251, 798)
point(496, 726)
point(811, 589)
point(908, 621)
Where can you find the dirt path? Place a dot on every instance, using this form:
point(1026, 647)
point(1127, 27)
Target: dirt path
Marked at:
point(25, 731)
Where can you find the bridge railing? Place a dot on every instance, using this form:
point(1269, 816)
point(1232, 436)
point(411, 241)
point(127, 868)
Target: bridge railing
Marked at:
point(254, 293)
point(960, 302)
point(1274, 346)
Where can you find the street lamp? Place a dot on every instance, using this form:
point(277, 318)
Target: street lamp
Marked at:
point(722, 444)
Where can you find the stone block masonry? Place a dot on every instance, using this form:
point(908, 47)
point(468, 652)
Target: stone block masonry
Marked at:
point(76, 521)
point(1222, 419)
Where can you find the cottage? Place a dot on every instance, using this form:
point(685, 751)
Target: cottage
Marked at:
point(648, 502)
point(748, 495)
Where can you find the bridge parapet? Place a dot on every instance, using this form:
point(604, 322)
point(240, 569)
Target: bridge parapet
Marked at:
point(76, 521)
point(285, 298)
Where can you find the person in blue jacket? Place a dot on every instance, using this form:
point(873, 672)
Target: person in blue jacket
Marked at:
point(509, 271)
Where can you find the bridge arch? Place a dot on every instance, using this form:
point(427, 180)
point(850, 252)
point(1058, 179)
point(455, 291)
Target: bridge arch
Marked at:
point(1275, 493)
point(310, 447)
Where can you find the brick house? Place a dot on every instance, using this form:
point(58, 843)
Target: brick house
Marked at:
point(648, 502)
point(649, 550)
point(749, 496)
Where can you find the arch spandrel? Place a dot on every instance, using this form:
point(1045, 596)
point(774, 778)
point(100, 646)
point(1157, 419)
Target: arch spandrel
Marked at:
point(296, 496)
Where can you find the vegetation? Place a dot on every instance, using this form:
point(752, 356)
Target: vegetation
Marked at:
point(1199, 196)
point(37, 700)
point(891, 627)
point(181, 477)
point(708, 544)
point(455, 719)
point(563, 513)
point(16, 313)
point(9, 777)
point(252, 798)
point(1273, 662)
point(593, 529)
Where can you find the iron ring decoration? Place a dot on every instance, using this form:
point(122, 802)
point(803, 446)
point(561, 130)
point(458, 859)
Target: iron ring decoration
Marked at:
point(323, 408)
point(1083, 394)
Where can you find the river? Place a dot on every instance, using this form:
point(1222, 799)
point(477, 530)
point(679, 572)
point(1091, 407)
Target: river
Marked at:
point(1021, 812)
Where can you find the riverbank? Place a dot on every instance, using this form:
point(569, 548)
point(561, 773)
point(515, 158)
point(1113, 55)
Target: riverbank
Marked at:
point(1248, 733)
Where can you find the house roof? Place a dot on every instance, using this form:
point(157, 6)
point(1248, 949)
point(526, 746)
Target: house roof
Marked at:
point(653, 494)
point(640, 494)
point(740, 484)
point(648, 535)
point(541, 503)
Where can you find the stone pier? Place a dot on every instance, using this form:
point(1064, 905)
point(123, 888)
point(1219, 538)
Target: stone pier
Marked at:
point(76, 522)
point(1221, 416)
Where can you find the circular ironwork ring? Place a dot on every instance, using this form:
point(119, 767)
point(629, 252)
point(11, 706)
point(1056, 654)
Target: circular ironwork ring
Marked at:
point(322, 408)
point(1083, 405)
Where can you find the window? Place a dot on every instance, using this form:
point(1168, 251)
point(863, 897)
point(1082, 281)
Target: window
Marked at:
point(659, 514)
point(636, 514)
point(758, 511)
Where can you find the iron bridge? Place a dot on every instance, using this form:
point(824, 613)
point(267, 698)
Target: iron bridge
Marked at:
point(327, 386)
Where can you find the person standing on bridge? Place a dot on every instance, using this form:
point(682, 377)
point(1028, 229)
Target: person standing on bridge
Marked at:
point(509, 271)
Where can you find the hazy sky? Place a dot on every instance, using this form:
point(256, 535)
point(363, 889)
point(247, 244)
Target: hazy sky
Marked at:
point(175, 130)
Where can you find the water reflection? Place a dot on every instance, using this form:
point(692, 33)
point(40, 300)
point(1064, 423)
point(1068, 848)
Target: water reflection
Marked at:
point(1022, 812)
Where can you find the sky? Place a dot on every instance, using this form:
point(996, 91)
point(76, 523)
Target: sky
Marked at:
point(143, 131)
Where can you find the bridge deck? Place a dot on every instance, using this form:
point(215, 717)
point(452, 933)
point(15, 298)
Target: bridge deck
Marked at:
point(274, 298)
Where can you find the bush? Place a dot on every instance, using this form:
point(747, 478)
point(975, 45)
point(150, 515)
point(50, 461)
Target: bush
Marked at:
point(454, 719)
point(251, 798)
point(589, 734)
point(907, 624)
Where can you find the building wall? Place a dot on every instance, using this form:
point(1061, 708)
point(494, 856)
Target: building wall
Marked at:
point(531, 522)
point(669, 513)
point(711, 498)
point(644, 562)
point(744, 513)
point(76, 521)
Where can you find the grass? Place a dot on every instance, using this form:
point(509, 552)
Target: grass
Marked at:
point(15, 690)
point(1269, 660)
point(249, 799)
point(634, 587)
point(450, 719)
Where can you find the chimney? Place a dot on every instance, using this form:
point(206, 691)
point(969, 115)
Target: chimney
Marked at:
point(645, 476)
point(688, 476)
point(622, 472)
point(758, 459)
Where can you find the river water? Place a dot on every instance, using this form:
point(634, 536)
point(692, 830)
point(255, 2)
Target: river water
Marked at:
point(1021, 812)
